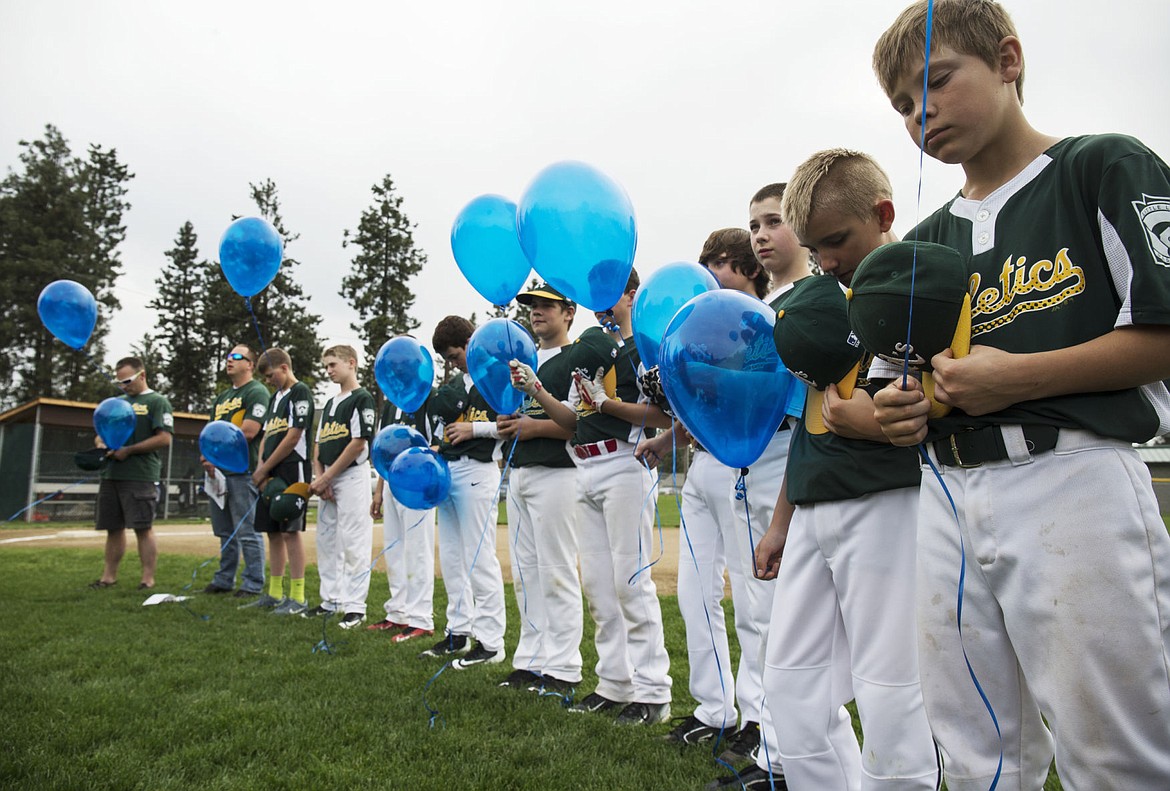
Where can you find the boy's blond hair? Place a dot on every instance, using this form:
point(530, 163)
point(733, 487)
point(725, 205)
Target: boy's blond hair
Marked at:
point(972, 27)
point(341, 352)
point(837, 179)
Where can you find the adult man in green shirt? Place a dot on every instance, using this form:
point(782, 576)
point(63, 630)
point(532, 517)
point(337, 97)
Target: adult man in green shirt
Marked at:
point(128, 492)
point(233, 497)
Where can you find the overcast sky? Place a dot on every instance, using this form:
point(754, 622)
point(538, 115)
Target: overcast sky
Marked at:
point(691, 106)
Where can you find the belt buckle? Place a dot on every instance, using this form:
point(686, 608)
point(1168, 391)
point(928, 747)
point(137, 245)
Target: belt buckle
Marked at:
point(958, 461)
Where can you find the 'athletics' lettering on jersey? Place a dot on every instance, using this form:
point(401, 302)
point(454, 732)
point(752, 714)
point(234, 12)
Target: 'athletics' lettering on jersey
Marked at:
point(332, 429)
point(228, 407)
point(1052, 281)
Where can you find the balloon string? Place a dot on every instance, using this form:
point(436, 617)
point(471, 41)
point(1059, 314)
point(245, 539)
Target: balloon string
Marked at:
point(489, 524)
point(646, 498)
point(100, 369)
point(906, 374)
point(49, 497)
point(256, 324)
point(704, 595)
point(222, 548)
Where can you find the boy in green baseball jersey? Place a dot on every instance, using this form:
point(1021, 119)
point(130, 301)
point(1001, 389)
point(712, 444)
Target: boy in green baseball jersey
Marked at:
point(467, 518)
point(128, 492)
point(341, 479)
point(1066, 604)
point(233, 497)
point(284, 460)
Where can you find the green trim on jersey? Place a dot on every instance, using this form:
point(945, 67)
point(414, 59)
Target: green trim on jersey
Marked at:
point(827, 468)
point(556, 375)
point(152, 413)
point(454, 403)
point(294, 410)
point(343, 418)
point(1073, 246)
point(237, 404)
point(596, 351)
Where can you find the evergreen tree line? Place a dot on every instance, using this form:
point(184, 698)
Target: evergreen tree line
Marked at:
point(61, 217)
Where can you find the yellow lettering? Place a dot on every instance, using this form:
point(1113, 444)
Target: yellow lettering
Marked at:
point(1053, 281)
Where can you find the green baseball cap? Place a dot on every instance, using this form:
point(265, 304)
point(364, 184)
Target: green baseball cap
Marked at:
point(272, 487)
point(290, 504)
point(546, 291)
point(812, 333)
point(880, 302)
point(91, 460)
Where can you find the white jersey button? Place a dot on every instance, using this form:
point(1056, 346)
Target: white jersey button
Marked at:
point(983, 237)
point(982, 215)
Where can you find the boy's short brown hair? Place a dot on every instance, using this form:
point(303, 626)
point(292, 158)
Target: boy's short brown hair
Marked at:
point(453, 332)
point(769, 191)
point(271, 359)
point(133, 363)
point(839, 179)
point(972, 27)
point(341, 352)
point(734, 245)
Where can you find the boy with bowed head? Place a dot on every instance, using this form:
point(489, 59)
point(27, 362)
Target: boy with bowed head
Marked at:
point(233, 495)
point(718, 543)
point(840, 545)
point(1066, 616)
point(467, 518)
point(341, 479)
point(543, 525)
point(608, 413)
point(285, 460)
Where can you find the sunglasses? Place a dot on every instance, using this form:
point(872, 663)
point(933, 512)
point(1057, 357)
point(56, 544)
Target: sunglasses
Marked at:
point(238, 356)
point(126, 382)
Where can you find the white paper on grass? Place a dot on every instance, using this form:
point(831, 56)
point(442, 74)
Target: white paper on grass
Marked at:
point(161, 598)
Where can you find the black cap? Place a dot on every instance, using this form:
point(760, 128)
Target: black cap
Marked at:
point(546, 291)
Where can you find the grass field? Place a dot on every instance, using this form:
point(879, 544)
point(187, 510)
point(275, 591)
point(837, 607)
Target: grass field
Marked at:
point(98, 691)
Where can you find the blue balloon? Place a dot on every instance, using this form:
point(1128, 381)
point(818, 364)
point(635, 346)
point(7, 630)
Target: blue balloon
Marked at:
point(577, 228)
point(69, 311)
point(489, 351)
point(391, 441)
point(659, 297)
point(114, 422)
point(419, 478)
point(405, 372)
point(722, 375)
point(250, 253)
point(487, 249)
point(224, 445)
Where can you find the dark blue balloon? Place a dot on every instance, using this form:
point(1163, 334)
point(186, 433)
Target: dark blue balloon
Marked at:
point(722, 375)
point(419, 478)
point(577, 228)
point(489, 351)
point(114, 421)
point(250, 253)
point(224, 445)
point(69, 311)
point(487, 249)
point(659, 298)
point(391, 441)
point(405, 372)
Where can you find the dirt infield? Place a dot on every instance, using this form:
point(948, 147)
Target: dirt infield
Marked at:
point(196, 539)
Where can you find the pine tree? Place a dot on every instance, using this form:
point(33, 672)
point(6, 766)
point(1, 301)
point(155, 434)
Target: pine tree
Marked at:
point(386, 259)
point(59, 218)
point(281, 309)
point(185, 357)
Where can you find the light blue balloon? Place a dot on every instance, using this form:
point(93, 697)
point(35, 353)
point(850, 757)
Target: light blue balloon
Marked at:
point(722, 375)
point(114, 422)
point(577, 228)
point(250, 253)
point(69, 311)
point(659, 297)
point(419, 478)
point(489, 351)
point(391, 441)
point(223, 444)
point(405, 372)
point(487, 249)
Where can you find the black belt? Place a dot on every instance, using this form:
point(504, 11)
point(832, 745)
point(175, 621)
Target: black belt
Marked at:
point(973, 447)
